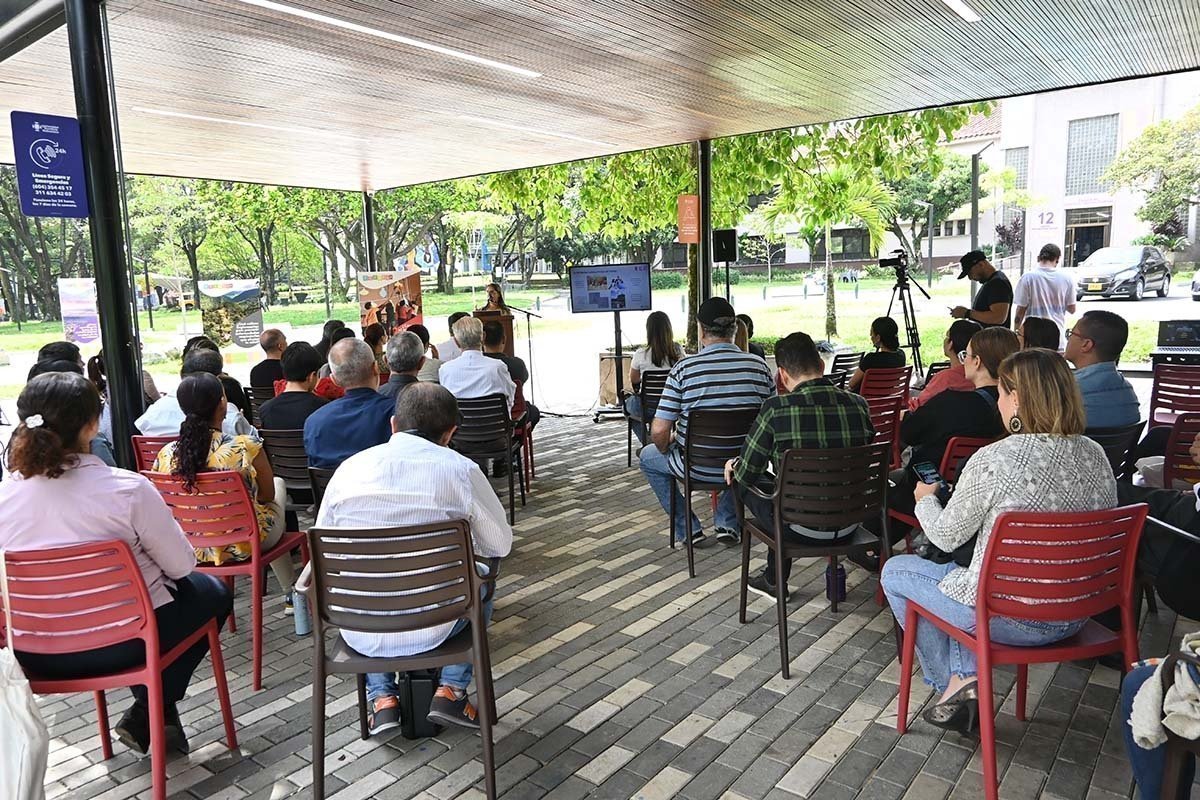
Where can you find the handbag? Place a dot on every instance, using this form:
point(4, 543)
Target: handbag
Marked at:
point(24, 738)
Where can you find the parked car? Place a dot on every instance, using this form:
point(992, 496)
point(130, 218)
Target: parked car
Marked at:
point(1124, 272)
point(1196, 286)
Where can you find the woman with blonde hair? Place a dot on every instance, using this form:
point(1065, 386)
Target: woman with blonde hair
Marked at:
point(1046, 464)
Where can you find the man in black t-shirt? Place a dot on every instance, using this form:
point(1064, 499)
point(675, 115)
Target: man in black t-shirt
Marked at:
point(493, 347)
point(289, 410)
point(267, 371)
point(993, 301)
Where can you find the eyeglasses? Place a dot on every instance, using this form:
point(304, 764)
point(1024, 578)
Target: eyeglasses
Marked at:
point(1071, 332)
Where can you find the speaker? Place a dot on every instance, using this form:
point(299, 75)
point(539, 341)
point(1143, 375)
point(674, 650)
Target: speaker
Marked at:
point(725, 246)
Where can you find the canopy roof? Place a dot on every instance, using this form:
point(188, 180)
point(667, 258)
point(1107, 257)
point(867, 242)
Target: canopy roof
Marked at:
point(370, 94)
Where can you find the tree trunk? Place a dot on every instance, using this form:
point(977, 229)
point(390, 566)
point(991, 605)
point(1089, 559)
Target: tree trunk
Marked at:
point(189, 249)
point(830, 304)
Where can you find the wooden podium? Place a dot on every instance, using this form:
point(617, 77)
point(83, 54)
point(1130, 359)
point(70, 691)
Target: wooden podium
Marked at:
point(505, 321)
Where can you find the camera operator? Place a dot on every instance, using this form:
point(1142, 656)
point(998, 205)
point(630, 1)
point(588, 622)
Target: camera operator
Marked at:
point(993, 301)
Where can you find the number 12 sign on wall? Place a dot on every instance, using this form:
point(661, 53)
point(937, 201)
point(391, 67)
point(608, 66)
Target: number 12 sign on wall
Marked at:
point(49, 158)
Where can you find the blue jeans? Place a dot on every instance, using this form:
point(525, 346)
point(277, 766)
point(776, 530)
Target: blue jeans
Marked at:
point(658, 474)
point(910, 577)
point(1148, 764)
point(456, 675)
point(633, 407)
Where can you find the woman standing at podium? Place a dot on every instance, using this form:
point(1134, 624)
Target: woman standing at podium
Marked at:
point(495, 301)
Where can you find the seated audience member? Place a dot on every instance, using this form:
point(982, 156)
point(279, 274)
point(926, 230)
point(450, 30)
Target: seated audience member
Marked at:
point(741, 337)
point(406, 357)
point(331, 326)
point(416, 479)
point(972, 413)
point(473, 374)
point(165, 416)
point(755, 349)
point(360, 419)
point(1039, 332)
point(269, 370)
point(1047, 464)
point(289, 409)
point(885, 335)
point(234, 392)
point(719, 376)
point(1094, 346)
point(813, 413)
point(954, 377)
point(339, 335)
point(98, 375)
point(493, 347)
point(432, 365)
point(376, 338)
point(659, 355)
point(60, 351)
point(67, 497)
point(203, 447)
point(101, 445)
point(449, 349)
point(1143, 715)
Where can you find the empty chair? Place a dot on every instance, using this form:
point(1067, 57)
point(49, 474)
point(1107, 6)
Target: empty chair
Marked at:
point(1175, 391)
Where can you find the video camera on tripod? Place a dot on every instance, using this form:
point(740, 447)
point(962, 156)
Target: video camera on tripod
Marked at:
point(903, 288)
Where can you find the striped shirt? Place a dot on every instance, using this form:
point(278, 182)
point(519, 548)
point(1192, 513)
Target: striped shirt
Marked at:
point(719, 376)
point(412, 481)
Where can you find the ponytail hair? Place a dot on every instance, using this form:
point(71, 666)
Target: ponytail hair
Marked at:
point(54, 409)
point(887, 331)
point(199, 397)
point(95, 371)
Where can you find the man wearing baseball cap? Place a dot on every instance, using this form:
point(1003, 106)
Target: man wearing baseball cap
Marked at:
point(993, 301)
point(719, 376)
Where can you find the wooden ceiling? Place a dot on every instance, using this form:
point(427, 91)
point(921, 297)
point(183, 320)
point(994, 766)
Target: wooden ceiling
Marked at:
point(242, 90)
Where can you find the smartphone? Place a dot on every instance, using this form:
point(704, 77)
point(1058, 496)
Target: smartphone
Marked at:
point(927, 472)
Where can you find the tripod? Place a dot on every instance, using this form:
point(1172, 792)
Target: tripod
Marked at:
point(903, 290)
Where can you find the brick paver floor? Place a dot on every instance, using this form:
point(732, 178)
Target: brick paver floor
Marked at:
point(618, 677)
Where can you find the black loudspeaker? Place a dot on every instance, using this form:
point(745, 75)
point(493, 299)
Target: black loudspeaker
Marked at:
point(724, 246)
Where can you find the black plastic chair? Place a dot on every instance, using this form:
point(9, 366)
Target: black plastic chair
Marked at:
point(319, 478)
point(393, 580)
point(713, 437)
point(845, 362)
point(820, 489)
point(1120, 445)
point(649, 393)
point(934, 369)
point(485, 431)
point(257, 396)
point(285, 451)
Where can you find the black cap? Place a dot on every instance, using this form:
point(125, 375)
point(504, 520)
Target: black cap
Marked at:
point(714, 308)
point(969, 260)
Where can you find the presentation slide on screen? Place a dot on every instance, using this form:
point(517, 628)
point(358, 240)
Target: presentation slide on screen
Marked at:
point(610, 287)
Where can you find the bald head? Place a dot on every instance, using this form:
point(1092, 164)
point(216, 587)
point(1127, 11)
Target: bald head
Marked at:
point(352, 363)
point(273, 342)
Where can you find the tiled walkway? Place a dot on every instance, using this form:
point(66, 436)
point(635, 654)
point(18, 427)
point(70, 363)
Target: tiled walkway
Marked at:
point(618, 677)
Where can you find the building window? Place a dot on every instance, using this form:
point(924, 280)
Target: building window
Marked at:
point(1017, 159)
point(962, 227)
point(949, 227)
point(1091, 147)
point(937, 230)
point(848, 244)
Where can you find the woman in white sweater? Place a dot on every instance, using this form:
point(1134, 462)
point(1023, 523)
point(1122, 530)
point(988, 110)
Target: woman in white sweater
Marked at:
point(1045, 465)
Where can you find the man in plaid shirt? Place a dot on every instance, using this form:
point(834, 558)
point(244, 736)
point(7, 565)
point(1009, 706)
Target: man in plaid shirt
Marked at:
point(813, 413)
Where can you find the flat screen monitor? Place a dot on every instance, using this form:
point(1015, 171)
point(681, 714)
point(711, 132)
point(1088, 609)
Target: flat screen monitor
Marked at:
point(610, 287)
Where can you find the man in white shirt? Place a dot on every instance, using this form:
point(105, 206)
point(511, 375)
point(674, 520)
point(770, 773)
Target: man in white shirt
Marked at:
point(164, 416)
point(1045, 292)
point(473, 374)
point(416, 479)
point(449, 349)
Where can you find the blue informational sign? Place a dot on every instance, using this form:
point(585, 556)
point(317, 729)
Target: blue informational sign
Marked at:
point(49, 158)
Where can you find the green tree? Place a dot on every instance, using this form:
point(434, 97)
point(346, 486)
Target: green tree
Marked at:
point(177, 211)
point(945, 184)
point(1164, 163)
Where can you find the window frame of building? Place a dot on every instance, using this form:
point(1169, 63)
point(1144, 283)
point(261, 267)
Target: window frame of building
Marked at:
point(962, 227)
point(858, 239)
point(1092, 144)
point(1017, 159)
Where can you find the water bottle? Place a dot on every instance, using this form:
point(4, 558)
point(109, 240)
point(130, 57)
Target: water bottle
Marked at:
point(835, 581)
point(300, 614)
point(841, 583)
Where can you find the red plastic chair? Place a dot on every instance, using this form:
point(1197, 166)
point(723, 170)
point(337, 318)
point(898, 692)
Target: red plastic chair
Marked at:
point(71, 599)
point(146, 449)
point(1175, 391)
point(1077, 565)
point(885, 416)
point(958, 450)
point(886, 382)
point(1178, 464)
point(221, 513)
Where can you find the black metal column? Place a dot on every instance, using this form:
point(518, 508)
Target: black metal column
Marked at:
point(368, 223)
point(89, 68)
point(704, 251)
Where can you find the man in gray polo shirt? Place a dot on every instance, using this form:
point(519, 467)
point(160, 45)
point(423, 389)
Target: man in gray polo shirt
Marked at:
point(719, 376)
